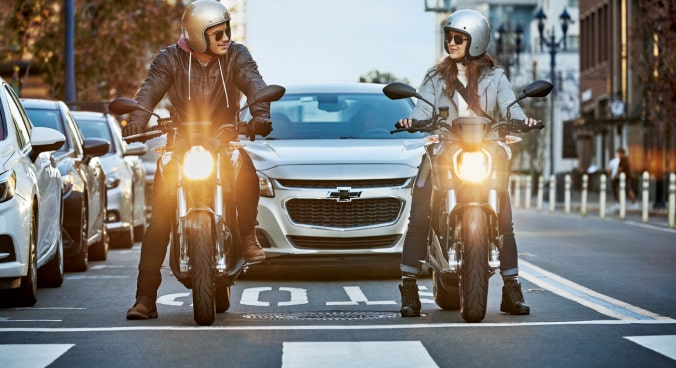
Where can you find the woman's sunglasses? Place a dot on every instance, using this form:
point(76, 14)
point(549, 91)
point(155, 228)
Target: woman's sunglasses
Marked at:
point(458, 39)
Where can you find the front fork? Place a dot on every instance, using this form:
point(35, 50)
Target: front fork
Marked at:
point(451, 232)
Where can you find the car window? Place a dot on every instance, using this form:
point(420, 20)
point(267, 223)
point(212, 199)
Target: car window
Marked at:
point(49, 119)
point(96, 129)
point(19, 119)
point(338, 116)
point(77, 137)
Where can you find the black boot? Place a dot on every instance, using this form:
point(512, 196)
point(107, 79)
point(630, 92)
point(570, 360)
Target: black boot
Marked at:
point(410, 301)
point(512, 299)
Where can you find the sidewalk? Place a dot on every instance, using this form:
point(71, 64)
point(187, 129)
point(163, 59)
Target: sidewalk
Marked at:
point(655, 216)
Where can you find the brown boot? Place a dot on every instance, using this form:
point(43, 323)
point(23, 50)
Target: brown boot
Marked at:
point(252, 250)
point(144, 308)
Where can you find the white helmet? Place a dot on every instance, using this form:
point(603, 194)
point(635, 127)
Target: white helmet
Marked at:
point(474, 25)
point(197, 17)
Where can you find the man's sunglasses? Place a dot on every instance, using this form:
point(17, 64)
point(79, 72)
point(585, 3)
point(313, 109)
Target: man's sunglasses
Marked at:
point(458, 39)
point(218, 35)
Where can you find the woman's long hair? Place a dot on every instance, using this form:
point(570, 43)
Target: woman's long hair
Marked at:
point(449, 72)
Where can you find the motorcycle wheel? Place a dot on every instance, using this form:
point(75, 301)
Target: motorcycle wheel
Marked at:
point(222, 297)
point(474, 272)
point(200, 240)
point(445, 290)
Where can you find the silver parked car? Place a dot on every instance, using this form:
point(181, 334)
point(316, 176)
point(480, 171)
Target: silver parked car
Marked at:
point(31, 247)
point(125, 177)
point(334, 182)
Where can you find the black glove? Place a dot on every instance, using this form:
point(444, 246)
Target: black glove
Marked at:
point(259, 125)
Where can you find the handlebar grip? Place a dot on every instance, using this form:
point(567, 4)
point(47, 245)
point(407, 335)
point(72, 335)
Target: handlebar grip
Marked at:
point(518, 126)
point(415, 123)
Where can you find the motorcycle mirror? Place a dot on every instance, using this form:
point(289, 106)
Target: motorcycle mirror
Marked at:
point(269, 93)
point(124, 105)
point(539, 88)
point(398, 90)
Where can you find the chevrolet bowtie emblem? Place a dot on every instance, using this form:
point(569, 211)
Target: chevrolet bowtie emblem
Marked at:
point(343, 194)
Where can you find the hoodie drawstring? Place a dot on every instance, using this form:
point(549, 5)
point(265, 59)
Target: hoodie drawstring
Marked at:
point(189, 69)
point(225, 90)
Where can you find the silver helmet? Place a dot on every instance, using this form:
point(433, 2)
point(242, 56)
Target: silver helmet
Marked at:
point(197, 17)
point(474, 25)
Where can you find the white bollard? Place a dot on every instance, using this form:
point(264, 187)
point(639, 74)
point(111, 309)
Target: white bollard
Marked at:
point(566, 194)
point(583, 198)
point(644, 197)
point(552, 193)
point(602, 196)
point(623, 196)
point(672, 200)
point(529, 191)
point(541, 190)
point(517, 190)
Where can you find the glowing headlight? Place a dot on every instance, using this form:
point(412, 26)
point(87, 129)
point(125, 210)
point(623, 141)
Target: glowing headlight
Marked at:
point(198, 163)
point(474, 167)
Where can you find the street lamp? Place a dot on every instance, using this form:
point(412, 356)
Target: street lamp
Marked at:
point(553, 47)
point(508, 46)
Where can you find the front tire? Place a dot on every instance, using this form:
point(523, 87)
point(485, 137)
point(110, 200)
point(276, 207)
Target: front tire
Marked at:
point(200, 239)
point(28, 291)
point(474, 270)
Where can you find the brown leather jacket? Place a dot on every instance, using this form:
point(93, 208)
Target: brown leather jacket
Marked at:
point(200, 93)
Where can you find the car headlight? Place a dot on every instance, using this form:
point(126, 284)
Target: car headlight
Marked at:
point(265, 185)
point(198, 163)
point(472, 166)
point(7, 186)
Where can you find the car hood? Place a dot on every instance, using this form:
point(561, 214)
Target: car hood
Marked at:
point(340, 158)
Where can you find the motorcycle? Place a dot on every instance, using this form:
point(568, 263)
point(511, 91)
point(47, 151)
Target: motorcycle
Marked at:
point(469, 162)
point(205, 251)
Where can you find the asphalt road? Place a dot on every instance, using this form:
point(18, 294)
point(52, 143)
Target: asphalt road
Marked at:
point(601, 292)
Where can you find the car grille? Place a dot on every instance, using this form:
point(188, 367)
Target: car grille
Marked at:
point(328, 243)
point(332, 184)
point(334, 214)
point(7, 249)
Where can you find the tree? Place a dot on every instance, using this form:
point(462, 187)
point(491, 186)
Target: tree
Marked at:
point(376, 76)
point(114, 41)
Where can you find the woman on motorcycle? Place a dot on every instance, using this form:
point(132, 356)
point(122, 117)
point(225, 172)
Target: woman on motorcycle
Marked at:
point(487, 91)
point(204, 75)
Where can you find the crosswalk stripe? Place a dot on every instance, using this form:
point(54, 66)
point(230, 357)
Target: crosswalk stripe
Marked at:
point(356, 354)
point(665, 345)
point(31, 355)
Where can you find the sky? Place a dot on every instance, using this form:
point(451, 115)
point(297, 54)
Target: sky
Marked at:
point(299, 41)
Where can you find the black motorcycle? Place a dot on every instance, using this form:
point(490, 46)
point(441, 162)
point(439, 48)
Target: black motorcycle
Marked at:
point(202, 157)
point(469, 161)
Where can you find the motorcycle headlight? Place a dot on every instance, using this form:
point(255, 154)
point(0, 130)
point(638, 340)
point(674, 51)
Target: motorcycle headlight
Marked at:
point(472, 166)
point(198, 163)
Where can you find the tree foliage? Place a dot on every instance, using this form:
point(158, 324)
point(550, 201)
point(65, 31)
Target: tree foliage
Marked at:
point(376, 76)
point(655, 30)
point(114, 41)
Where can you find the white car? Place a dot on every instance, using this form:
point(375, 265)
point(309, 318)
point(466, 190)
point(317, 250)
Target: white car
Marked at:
point(31, 249)
point(334, 182)
point(125, 178)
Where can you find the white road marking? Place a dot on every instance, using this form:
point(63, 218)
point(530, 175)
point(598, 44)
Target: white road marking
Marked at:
point(611, 322)
point(665, 345)
point(92, 277)
point(170, 299)
point(356, 354)
point(31, 355)
point(603, 304)
point(357, 296)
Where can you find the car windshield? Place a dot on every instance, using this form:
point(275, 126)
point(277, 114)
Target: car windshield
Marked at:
point(96, 129)
point(48, 119)
point(338, 116)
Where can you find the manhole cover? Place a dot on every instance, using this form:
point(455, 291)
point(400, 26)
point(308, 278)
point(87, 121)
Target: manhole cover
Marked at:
point(323, 316)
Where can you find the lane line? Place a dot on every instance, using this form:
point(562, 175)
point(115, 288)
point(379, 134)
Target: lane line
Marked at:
point(339, 327)
point(356, 354)
point(603, 304)
point(31, 355)
point(665, 345)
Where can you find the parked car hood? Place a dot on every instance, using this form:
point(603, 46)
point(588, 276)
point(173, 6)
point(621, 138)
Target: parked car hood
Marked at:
point(375, 157)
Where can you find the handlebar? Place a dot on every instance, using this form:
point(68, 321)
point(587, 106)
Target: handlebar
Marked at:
point(426, 125)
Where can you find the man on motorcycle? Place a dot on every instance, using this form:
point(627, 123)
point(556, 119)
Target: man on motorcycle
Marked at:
point(204, 75)
point(487, 89)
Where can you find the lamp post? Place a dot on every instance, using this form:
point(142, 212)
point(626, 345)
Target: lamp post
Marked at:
point(553, 46)
point(509, 46)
